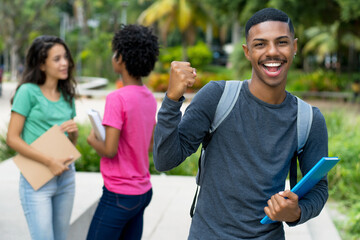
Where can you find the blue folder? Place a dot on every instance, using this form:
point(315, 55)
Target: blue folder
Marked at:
point(310, 179)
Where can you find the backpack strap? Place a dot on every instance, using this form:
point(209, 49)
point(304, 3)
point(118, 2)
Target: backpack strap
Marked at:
point(304, 122)
point(226, 104)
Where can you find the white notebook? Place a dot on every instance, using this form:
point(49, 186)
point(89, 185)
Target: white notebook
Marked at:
point(96, 123)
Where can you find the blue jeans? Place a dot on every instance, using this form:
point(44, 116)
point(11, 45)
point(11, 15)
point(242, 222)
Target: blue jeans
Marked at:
point(119, 216)
point(48, 210)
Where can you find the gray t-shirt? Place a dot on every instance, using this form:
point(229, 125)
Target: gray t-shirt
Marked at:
point(247, 160)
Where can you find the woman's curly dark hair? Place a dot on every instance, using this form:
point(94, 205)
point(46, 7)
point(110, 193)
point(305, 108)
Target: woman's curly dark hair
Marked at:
point(36, 56)
point(138, 47)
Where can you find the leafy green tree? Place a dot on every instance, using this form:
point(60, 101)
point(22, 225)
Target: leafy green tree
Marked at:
point(109, 13)
point(327, 27)
point(96, 56)
point(323, 40)
point(350, 17)
point(349, 10)
point(20, 19)
point(92, 45)
point(185, 15)
point(231, 15)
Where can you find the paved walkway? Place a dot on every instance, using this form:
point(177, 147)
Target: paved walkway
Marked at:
point(167, 217)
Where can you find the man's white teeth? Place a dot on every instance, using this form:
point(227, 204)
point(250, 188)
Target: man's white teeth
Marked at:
point(272, 64)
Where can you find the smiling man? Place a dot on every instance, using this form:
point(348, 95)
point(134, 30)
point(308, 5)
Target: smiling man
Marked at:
point(249, 155)
point(270, 47)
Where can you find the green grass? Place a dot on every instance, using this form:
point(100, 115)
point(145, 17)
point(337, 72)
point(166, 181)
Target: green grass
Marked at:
point(5, 151)
point(90, 160)
point(187, 168)
point(344, 179)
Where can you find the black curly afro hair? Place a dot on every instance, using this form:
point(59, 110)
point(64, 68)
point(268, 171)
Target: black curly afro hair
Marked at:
point(138, 47)
point(268, 14)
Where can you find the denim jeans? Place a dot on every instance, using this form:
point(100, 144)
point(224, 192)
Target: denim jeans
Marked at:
point(48, 210)
point(119, 216)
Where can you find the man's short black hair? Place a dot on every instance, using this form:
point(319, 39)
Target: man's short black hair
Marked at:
point(138, 47)
point(268, 14)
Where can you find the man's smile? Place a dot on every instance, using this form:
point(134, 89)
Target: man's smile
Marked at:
point(272, 68)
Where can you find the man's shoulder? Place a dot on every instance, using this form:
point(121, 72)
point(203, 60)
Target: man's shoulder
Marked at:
point(220, 84)
point(316, 110)
point(210, 93)
point(317, 114)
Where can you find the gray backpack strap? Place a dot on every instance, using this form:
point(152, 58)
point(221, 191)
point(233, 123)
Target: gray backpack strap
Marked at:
point(304, 122)
point(226, 103)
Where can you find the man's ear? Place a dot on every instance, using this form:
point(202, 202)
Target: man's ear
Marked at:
point(295, 45)
point(246, 51)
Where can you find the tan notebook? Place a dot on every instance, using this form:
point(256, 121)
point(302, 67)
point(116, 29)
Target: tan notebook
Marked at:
point(54, 143)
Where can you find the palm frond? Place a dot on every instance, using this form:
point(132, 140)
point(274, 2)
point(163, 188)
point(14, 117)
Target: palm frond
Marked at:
point(156, 11)
point(184, 16)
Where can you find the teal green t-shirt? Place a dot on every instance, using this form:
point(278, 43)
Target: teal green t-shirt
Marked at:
point(40, 113)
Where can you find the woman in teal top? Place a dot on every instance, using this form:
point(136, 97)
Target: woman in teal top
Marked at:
point(45, 97)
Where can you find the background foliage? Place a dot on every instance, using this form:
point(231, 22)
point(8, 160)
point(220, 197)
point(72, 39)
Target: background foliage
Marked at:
point(328, 32)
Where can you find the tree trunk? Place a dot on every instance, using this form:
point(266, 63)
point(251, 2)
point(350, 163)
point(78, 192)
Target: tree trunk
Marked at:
point(6, 60)
point(184, 52)
point(351, 57)
point(124, 5)
point(222, 34)
point(209, 34)
point(13, 61)
point(306, 65)
point(80, 18)
point(64, 25)
point(235, 37)
point(184, 47)
point(338, 63)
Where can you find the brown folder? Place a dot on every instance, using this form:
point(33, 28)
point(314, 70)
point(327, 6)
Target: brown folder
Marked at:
point(54, 143)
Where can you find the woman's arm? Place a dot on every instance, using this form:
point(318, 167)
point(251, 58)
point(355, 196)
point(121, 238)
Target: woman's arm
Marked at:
point(72, 129)
point(14, 140)
point(109, 147)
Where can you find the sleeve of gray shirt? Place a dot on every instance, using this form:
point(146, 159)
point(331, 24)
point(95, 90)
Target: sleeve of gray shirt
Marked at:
point(178, 137)
point(315, 148)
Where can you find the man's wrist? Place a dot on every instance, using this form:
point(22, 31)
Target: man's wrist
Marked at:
point(172, 97)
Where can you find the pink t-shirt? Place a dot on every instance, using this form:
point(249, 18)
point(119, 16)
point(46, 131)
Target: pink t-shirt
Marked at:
point(132, 110)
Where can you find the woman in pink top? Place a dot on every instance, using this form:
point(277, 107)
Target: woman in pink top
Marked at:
point(129, 120)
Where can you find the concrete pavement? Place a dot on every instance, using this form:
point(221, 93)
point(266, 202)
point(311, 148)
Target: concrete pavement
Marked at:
point(167, 216)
